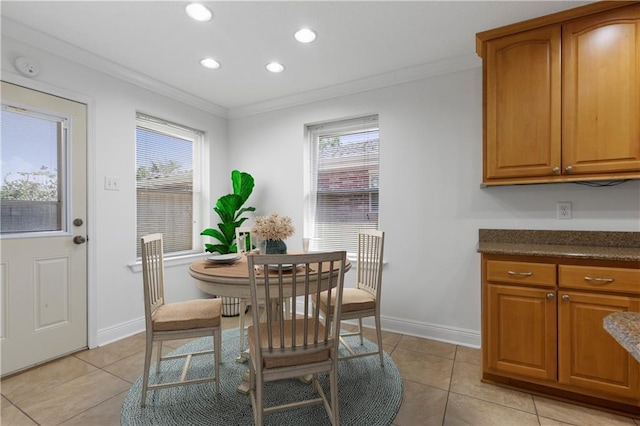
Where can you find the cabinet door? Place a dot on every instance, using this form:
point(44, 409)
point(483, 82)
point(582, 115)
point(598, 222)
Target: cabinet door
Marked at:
point(589, 358)
point(523, 105)
point(601, 93)
point(521, 331)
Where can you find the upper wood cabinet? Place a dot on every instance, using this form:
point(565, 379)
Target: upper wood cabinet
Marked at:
point(562, 97)
point(601, 93)
point(522, 117)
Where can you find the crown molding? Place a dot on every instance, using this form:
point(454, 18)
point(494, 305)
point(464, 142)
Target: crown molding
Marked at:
point(405, 75)
point(42, 41)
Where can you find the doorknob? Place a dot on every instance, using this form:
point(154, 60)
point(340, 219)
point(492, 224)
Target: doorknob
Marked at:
point(79, 239)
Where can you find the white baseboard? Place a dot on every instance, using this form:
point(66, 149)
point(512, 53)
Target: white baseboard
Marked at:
point(456, 336)
point(120, 331)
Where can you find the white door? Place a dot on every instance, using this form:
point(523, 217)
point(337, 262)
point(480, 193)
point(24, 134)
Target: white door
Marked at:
point(43, 265)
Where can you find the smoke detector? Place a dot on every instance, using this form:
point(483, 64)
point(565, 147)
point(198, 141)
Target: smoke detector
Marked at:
point(27, 67)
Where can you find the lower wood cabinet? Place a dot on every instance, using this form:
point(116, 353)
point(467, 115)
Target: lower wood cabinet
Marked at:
point(589, 358)
point(521, 334)
point(542, 326)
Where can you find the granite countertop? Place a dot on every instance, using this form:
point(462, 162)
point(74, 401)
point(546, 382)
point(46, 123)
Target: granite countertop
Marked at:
point(625, 328)
point(605, 245)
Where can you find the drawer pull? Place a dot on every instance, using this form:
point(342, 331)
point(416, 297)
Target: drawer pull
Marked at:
point(521, 274)
point(600, 280)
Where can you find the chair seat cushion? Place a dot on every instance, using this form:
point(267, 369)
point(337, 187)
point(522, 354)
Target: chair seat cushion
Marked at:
point(198, 313)
point(353, 300)
point(288, 359)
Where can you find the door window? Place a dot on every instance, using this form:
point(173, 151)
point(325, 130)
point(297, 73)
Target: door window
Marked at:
point(33, 164)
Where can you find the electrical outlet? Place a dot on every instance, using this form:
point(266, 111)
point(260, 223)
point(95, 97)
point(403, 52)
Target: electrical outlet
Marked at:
point(112, 183)
point(564, 209)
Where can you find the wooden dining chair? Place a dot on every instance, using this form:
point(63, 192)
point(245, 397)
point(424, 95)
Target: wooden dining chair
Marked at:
point(364, 300)
point(178, 320)
point(282, 348)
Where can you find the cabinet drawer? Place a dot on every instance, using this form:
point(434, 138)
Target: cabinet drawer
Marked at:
point(619, 280)
point(521, 273)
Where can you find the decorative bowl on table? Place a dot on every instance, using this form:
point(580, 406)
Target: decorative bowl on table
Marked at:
point(223, 258)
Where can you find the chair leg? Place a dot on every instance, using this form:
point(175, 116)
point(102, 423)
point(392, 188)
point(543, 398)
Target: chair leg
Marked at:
point(159, 356)
point(379, 337)
point(360, 330)
point(145, 373)
point(333, 388)
point(217, 359)
point(256, 385)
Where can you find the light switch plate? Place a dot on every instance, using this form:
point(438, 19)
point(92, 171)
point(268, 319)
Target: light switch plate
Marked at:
point(112, 183)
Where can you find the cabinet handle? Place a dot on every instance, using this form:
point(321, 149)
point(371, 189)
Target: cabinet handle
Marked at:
point(568, 168)
point(565, 297)
point(550, 295)
point(556, 170)
point(600, 280)
point(522, 274)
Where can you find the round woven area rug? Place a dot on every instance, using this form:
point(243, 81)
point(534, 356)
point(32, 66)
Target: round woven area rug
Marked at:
point(369, 395)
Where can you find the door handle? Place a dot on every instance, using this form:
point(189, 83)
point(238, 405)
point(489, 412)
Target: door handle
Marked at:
point(79, 239)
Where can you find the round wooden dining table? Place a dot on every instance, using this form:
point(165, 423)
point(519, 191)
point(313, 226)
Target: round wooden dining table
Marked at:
point(229, 280)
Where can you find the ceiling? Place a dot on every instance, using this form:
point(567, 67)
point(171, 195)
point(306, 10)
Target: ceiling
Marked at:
point(360, 44)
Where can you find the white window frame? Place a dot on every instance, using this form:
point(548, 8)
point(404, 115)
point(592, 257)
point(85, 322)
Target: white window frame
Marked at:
point(311, 153)
point(197, 138)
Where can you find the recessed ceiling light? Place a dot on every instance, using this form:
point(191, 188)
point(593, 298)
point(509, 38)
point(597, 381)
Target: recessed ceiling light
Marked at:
point(199, 12)
point(210, 63)
point(275, 67)
point(305, 35)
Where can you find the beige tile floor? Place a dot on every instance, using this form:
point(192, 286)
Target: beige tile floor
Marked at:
point(441, 387)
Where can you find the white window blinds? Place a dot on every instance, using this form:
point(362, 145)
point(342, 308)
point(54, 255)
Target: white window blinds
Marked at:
point(341, 182)
point(167, 182)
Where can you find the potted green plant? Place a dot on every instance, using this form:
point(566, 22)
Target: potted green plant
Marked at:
point(229, 209)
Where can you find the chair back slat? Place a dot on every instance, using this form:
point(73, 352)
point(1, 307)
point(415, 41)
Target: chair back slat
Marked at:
point(243, 233)
point(273, 278)
point(369, 261)
point(152, 274)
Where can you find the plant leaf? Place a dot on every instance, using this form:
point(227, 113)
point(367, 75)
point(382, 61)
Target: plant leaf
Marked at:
point(215, 234)
point(227, 205)
point(242, 211)
point(243, 184)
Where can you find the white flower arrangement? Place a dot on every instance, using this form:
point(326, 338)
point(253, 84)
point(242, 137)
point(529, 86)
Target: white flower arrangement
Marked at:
point(273, 227)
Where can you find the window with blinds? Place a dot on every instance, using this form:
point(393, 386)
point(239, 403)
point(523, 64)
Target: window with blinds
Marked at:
point(167, 183)
point(341, 183)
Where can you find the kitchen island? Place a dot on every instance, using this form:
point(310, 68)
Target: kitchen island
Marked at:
point(625, 328)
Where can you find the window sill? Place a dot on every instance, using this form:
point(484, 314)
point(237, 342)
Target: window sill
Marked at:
point(170, 261)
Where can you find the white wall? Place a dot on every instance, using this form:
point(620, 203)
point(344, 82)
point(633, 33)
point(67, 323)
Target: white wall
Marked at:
point(115, 289)
point(431, 203)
